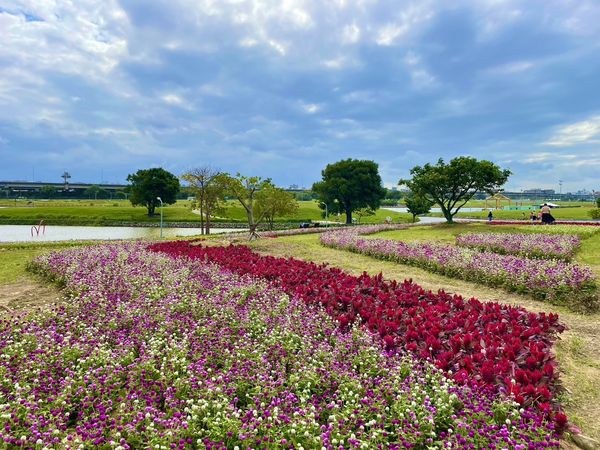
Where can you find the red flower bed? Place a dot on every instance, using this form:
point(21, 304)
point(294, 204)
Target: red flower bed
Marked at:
point(491, 345)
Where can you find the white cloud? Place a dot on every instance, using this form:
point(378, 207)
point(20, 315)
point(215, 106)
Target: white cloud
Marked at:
point(172, 99)
point(542, 157)
point(515, 67)
point(83, 38)
point(341, 62)
point(576, 133)
point(351, 34)
point(388, 34)
point(420, 77)
point(310, 108)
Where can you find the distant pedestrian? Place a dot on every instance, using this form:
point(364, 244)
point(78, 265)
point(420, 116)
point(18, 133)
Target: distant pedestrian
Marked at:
point(490, 216)
point(547, 218)
point(532, 216)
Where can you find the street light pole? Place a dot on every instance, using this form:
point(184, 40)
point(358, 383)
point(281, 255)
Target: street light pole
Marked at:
point(161, 215)
point(326, 213)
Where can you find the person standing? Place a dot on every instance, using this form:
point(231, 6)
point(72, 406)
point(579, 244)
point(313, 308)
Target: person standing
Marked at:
point(547, 218)
point(490, 216)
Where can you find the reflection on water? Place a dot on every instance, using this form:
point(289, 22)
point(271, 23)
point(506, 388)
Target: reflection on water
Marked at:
point(22, 233)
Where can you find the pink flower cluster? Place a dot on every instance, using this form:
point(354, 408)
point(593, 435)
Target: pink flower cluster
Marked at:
point(551, 280)
point(536, 245)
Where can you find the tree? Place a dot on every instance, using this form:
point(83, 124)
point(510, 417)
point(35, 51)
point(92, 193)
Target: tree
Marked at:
point(452, 185)
point(275, 202)
point(598, 202)
point(148, 184)
point(353, 184)
point(417, 204)
point(364, 212)
point(48, 191)
point(245, 190)
point(208, 186)
point(94, 191)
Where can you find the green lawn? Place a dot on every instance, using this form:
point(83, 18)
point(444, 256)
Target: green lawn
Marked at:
point(15, 257)
point(106, 212)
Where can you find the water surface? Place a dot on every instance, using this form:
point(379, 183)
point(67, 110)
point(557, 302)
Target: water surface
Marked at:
point(53, 233)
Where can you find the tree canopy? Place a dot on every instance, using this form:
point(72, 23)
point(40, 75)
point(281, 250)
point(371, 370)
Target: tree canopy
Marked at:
point(452, 185)
point(349, 185)
point(95, 191)
point(275, 202)
point(245, 190)
point(148, 184)
point(417, 204)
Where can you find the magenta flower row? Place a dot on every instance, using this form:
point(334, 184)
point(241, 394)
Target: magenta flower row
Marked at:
point(536, 245)
point(551, 280)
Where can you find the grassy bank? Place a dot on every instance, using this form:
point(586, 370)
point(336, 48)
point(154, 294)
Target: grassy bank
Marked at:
point(104, 212)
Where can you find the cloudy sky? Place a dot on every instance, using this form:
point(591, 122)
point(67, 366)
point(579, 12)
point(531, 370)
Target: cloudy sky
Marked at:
point(280, 88)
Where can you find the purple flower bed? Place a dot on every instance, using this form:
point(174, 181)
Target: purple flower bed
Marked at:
point(551, 280)
point(546, 246)
point(154, 352)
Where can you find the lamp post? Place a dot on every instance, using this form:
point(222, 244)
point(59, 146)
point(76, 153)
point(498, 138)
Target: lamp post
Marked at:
point(326, 213)
point(161, 215)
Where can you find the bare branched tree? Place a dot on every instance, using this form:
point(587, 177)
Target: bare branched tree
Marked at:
point(207, 184)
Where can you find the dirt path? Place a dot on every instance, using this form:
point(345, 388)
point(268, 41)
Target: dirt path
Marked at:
point(27, 295)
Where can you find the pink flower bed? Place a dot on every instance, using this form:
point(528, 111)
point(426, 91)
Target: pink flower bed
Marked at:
point(540, 245)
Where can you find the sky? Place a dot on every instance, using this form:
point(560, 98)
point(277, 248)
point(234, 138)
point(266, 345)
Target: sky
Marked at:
point(281, 88)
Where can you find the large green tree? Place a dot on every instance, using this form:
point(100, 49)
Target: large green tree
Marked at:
point(349, 185)
point(148, 184)
point(452, 185)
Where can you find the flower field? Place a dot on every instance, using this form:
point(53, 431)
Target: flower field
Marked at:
point(582, 229)
point(550, 280)
point(364, 229)
point(161, 352)
point(546, 246)
point(501, 348)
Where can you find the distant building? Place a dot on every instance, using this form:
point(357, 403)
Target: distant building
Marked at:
point(538, 191)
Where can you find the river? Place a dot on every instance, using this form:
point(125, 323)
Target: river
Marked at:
point(54, 233)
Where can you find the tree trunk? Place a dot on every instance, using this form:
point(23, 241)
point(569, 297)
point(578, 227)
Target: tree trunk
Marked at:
point(150, 210)
point(348, 216)
point(414, 218)
point(202, 217)
point(447, 214)
point(207, 225)
point(251, 225)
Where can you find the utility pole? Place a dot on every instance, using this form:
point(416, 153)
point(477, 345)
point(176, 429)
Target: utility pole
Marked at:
point(66, 177)
point(161, 216)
